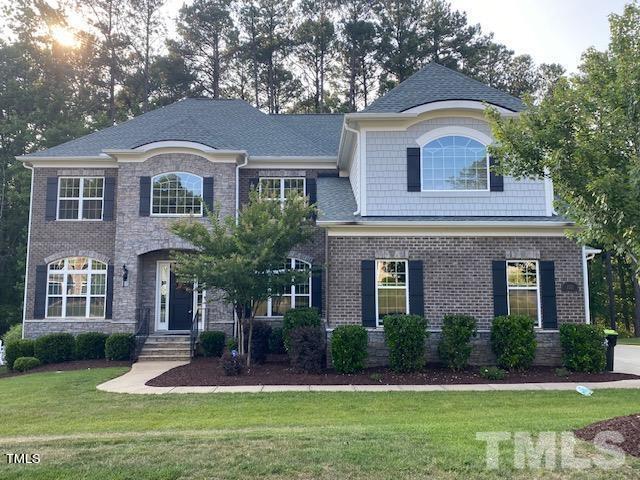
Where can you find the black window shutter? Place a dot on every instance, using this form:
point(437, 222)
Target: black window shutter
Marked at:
point(368, 285)
point(108, 308)
point(500, 288)
point(496, 182)
point(52, 198)
point(548, 295)
point(40, 292)
point(416, 288)
point(145, 196)
point(207, 192)
point(109, 198)
point(312, 191)
point(413, 169)
point(316, 290)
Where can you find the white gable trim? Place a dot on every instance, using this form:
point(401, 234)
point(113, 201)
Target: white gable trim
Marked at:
point(457, 104)
point(434, 134)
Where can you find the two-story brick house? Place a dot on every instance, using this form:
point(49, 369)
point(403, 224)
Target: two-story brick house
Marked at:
point(411, 217)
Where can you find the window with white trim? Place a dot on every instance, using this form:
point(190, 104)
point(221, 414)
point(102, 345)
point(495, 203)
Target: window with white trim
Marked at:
point(523, 289)
point(176, 193)
point(455, 162)
point(392, 296)
point(281, 188)
point(80, 198)
point(76, 287)
point(296, 296)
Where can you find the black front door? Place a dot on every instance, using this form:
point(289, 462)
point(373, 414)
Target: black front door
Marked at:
point(180, 305)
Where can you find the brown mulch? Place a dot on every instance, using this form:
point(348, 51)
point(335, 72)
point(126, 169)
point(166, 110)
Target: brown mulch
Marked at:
point(208, 372)
point(628, 426)
point(65, 366)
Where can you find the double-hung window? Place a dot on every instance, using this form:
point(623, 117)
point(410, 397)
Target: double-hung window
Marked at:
point(295, 296)
point(391, 288)
point(523, 289)
point(76, 287)
point(80, 198)
point(279, 189)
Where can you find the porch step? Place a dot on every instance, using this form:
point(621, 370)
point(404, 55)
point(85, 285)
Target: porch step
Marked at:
point(163, 357)
point(166, 347)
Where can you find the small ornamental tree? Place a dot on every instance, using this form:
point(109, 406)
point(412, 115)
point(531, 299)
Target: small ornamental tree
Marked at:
point(244, 258)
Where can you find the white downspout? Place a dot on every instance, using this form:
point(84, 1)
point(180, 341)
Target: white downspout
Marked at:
point(26, 272)
point(357, 132)
point(238, 167)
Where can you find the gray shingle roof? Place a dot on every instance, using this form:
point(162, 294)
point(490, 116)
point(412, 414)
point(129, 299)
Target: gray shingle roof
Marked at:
point(220, 124)
point(336, 203)
point(437, 83)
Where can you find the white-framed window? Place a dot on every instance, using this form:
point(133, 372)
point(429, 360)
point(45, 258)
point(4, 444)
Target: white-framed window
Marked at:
point(80, 198)
point(176, 194)
point(454, 163)
point(392, 288)
point(76, 287)
point(523, 289)
point(296, 296)
point(280, 189)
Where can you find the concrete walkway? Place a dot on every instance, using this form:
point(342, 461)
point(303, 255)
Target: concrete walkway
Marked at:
point(627, 359)
point(141, 372)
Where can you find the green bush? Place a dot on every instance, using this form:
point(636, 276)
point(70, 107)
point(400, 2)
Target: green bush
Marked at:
point(492, 373)
point(119, 346)
point(405, 336)
point(212, 343)
point(306, 349)
point(22, 364)
point(298, 317)
point(231, 344)
point(90, 345)
point(349, 348)
point(16, 349)
point(55, 348)
point(454, 348)
point(233, 365)
point(14, 333)
point(513, 341)
point(583, 347)
point(276, 342)
point(259, 341)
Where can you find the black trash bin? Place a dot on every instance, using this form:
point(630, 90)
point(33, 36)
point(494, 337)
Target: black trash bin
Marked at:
point(612, 339)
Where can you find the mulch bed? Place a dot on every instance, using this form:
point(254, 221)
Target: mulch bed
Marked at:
point(208, 372)
point(628, 426)
point(65, 366)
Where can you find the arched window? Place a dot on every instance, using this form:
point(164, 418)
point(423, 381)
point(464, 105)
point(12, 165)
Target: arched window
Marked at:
point(295, 296)
point(176, 193)
point(455, 163)
point(76, 287)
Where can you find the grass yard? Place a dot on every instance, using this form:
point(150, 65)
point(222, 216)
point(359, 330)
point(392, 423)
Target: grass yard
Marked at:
point(82, 433)
point(629, 341)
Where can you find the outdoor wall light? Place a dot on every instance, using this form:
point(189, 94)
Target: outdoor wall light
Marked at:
point(125, 276)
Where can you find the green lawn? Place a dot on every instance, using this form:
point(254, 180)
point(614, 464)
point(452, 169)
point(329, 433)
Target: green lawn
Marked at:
point(82, 433)
point(629, 341)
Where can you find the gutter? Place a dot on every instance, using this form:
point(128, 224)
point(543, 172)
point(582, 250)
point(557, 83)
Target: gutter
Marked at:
point(452, 223)
point(238, 167)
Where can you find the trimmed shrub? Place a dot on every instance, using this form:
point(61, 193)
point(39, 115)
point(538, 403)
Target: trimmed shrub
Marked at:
point(298, 317)
point(232, 363)
point(16, 349)
point(306, 349)
point(583, 347)
point(454, 348)
point(212, 343)
point(405, 335)
point(22, 364)
point(492, 373)
point(14, 333)
point(90, 345)
point(119, 346)
point(231, 344)
point(513, 341)
point(349, 348)
point(276, 342)
point(259, 341)
point(55, 348)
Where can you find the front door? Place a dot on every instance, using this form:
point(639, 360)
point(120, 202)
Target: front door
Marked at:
point(180, 305)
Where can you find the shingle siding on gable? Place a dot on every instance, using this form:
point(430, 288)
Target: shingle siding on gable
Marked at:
point(387, 180)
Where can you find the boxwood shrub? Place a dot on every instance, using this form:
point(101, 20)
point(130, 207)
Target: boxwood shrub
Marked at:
point(14, 333)
point(306, 349)
point(22, 364)
point(55, 348)
point(405, 335)
point(90, 345)
point(276, 343)
point(454, 348)
point(259, 340)
point(212, 343)
point(349, 348)
point(299, 317)
point(583, 347)
point(17, 348)
point(513, 340)
point(119, 346)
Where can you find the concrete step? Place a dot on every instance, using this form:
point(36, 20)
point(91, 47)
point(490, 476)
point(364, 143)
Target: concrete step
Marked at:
point(155, 342)
point(164, 356)
point(169, 338)
point(152, 350)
